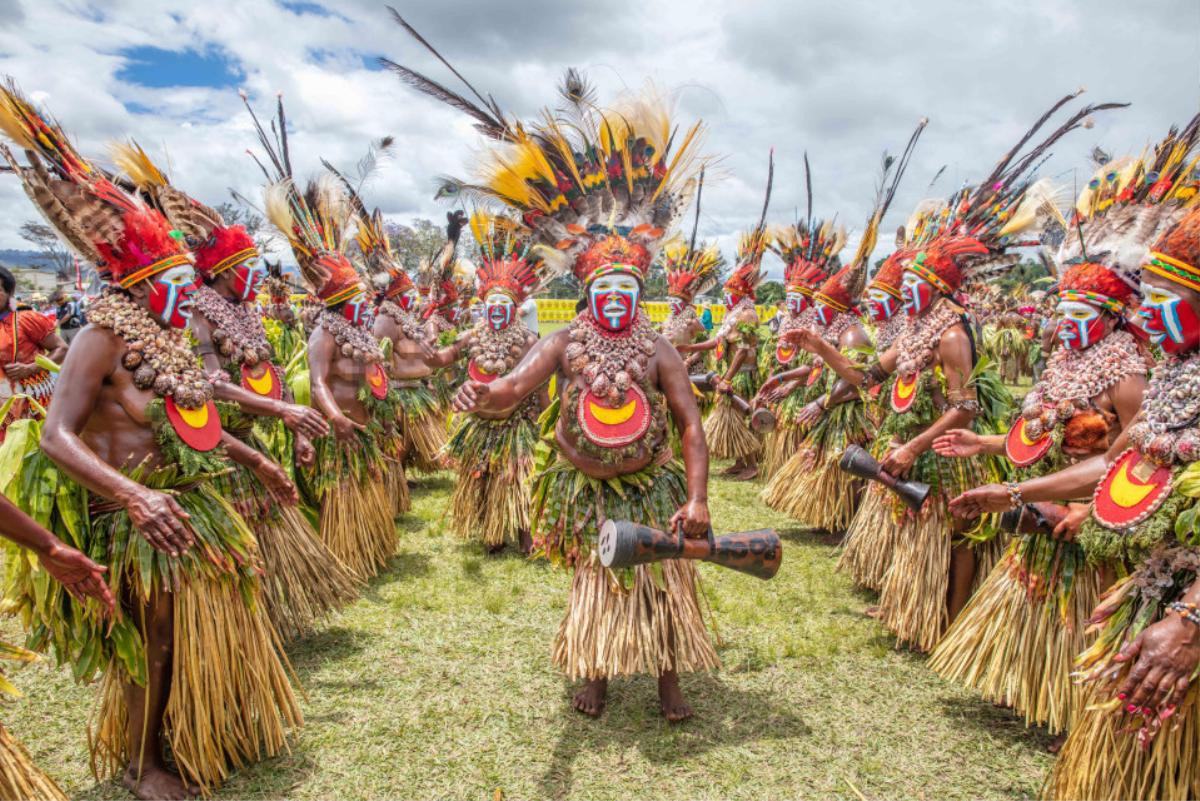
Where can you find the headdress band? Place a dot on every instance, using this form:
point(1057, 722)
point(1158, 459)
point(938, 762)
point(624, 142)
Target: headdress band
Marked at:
point(1173, 269)
point(157, 267)
point(1095, 298)
point(234, 259)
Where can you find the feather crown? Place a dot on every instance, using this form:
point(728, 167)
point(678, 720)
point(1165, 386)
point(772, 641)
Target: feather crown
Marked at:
point(127, 240)
point(691, 271)
point(216, 246)
point(507, 262)
point(598, 187)
point(752, 246)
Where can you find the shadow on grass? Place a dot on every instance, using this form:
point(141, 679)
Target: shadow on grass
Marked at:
point(323, 648)
point(725, 716)
point(995, 721)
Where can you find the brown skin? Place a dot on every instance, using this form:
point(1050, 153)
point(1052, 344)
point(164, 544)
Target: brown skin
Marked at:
point(1166, 653)
point(687, 335)
point(410, 359)
point(305, 423)
point(95, 427)
point(336, 380)
point(665, 372)
point(452, 353)
point(853, 337)
point(953, 355)
point(52, 344)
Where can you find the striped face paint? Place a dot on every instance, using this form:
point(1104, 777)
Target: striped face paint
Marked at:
point(1080, 325)
point(353, 309)
point(797, 302)
point(613, 299)
point(499, 310)
point(824, 313)
point(248, 276)
point(171, 295)
point(1168, 319)
point(917, 293)
point(881, 305)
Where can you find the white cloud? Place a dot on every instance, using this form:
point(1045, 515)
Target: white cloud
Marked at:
point(841, 80)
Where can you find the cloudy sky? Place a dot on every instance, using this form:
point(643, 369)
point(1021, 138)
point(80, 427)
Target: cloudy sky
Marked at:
point(842, 79)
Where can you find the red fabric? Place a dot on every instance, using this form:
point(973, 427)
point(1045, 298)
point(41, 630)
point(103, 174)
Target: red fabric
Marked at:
point(32, 328)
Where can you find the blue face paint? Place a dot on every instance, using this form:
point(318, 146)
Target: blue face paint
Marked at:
point(499, 310)
point(613, 299)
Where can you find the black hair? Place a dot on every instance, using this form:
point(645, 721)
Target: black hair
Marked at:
point(7, 281)
point(580, 305)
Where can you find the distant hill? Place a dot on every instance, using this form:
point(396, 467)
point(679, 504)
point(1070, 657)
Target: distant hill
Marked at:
point(25, 258)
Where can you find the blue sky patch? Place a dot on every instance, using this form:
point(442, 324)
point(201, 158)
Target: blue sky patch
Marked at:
point(157, 68)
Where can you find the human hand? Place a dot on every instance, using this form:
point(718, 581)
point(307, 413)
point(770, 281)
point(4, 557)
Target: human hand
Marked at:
point(979, 501)
point(958, 443)
point(304, 420)
point(470, 396)
point(345, 429)
point(160, 519)
point(19, 370)
point(80, 576)
point(1163, 658)
point(694, 518)
point(1068, 527)
point(803, 338)
point(810, 414)
point(276, 480)
point(898, 461)
point(306, 454)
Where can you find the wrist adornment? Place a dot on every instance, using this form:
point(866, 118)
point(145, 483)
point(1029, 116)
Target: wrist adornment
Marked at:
point(1188, 611)
point(875, 374)
point(1014, 494)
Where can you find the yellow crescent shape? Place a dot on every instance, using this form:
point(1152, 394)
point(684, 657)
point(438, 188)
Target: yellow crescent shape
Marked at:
point(375, 377)
point(261, 385)
point(612, 417)
point(194, 418)
point(905, 389)
point(786, 352)
point(481, 370)
point(1124, 492)
point(1025, 437)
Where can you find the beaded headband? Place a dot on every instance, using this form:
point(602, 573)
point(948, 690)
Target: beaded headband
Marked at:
point(1174, 270)
point(157, 267)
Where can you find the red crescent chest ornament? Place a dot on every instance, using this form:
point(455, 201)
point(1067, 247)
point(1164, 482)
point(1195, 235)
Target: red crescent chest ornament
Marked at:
point(814, 375)
point(784, 352)
point(904, 392)
point(477, 373)
point(1132, 490)
point(377, 380)
point(262, 380)
point(200, 429)
point(613, 427)
point(1023, 451)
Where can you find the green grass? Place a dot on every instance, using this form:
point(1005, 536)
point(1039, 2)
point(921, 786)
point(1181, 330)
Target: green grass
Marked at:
point(438, 683)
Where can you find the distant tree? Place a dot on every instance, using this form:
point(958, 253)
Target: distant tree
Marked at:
point(51, 250)
point(770, 293)
point(252, 221)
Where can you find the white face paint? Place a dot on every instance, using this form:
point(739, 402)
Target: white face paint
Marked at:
point(796, 302)
point(676, 304)
point(500, 309)
point(613, 299)
point(1079, 324)
point(917, 292)
point(171, 295)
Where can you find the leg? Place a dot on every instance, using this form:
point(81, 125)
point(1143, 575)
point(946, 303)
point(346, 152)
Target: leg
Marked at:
point(147, 775)
point(670, 697)
point(749, 469)
point(525, 541)
point(590, 700)
point(962, 576)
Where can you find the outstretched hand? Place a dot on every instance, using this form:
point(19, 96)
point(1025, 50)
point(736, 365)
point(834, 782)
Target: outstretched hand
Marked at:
point(470, 396)
point(804, 338)
point(1163, 658)
point(694, 518)
point(958, 443)
point(979, 501)
point(304, 420)
point(80, 576)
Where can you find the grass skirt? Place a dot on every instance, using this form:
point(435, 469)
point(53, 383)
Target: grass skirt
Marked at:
point(491, 497)
point(1101, 759)
point(788, 436)
point(871, 539)
point(302, 581)
point(1016, 645)
point(395, 479)
point(727, 432)
point(422, 429)
point(357, 523)
point(20, 778)
point(644, 619)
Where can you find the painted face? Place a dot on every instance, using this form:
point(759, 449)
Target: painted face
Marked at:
point(917, 293)
point(613, 300)
point(731, 299)
point(881, 305)
point(1169, 320)
point(1080, 325)
point(499, 308)
point(408, 300)
point(171, 295)
point(797, 302)
point(824, 313)
point(247, 277)
point(354, 308)
point(676, 305)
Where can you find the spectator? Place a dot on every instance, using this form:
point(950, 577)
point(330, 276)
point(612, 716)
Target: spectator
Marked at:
point(69, 313)
point(24, 335)
point(529, 315)
point(706, 318)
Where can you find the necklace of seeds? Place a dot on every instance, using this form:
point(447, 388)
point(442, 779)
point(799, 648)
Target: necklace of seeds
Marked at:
point(238, 331)
point(916, 347)
point(161, 359)
point(832, 333)
point(733, 314)
point(408, 322)
point(890, 330)
point(1074, 377)
point(1166, 429)
point(610, 362)
point(497, 352)
point(795, 322)
point(278, 308)
point(353, 341)
point(676, 325)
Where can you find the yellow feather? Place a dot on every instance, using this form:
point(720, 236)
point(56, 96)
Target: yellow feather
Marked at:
point(134, 162)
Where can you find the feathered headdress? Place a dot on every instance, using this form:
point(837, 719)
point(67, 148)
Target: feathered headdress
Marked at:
point(986, 219)
point(809, 249)
point(1119, 213)
point(690, 271)
point(216, 246)
point(923, 223)
point(508, 263)
point(313, 221)
point(599, 187)
point(843, 288)
point(752, 246)
point(127, 240)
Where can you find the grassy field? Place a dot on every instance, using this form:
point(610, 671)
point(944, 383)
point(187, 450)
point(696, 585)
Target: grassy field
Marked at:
point(438, 683)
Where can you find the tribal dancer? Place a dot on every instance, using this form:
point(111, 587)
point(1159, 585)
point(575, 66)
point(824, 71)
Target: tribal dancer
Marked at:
point(809, 251)
point(349, 383)
point(620, 385)
point(1137, 733)
point(1017, 639)
point(494, 450)
point(938, 389)
point(304, 581)
point(191, 661)
point(810, 486)
point(690, 272)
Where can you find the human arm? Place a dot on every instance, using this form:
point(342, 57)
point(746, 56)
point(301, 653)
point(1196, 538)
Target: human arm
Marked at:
point(673, 380)
point(156, 515)
point(503, 394)
point(40, 330)
point(960, 443)
point(444, 357)
point(840, 363)
point(300, 419)
point(1163, 658)
point(273, 477)
point(695, 347)
point(79, 575)
point(321, 353)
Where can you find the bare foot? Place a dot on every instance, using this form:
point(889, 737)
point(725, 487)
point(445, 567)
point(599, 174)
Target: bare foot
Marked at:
point(158, 783)
point(1057, 743)
point(747, 473)
point(733, 468)
point(525, 542)
point(495, 549)
point(872, 612)
point(674, 707)
point(590, 700)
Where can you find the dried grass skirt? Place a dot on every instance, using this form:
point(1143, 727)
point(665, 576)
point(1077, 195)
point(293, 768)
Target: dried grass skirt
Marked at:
point(357, 523)
point(20, 778)
point(422, 429)
point(728, 433)
point(871, 539)
point(491, 501)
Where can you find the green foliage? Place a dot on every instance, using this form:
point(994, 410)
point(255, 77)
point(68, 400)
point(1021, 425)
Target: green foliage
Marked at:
point(770, 293)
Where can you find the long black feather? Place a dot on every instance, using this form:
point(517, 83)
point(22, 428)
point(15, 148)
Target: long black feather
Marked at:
point(808, 188)
point(936, 175)
point(283, 141)
point(901, 165)
point(762, 220)
point(352, 193)
point(266, 143)
point(696, 221)
point(1011, 154)
point(485, 122)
